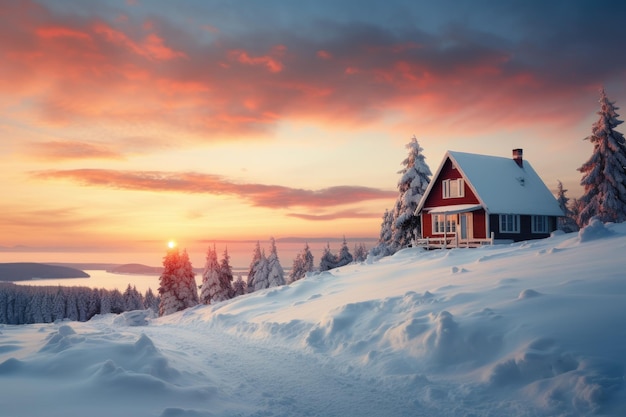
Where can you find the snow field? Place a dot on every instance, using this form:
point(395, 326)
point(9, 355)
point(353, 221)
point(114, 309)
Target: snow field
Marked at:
point(528, 329)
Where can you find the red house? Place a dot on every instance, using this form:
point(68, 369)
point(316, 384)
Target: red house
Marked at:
point(474, 198)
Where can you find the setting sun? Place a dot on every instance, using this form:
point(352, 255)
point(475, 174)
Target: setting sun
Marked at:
point(171, 244)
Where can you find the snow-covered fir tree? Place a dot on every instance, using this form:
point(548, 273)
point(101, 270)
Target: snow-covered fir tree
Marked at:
point(360, 252)
point(132, 299)
point(239, 287)
point(384, 246)
point(226, 273)
point(261, 276)
point(212, 289)
point(328, 260)
point(412, 185)
point(303, 263)
point(344, 257)
point(150, 301)
point(604, 174)
point(177, 286)
point(254, 265)
point(276, 275)
point(567, 223)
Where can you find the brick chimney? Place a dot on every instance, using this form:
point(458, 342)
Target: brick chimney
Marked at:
point(518, 157)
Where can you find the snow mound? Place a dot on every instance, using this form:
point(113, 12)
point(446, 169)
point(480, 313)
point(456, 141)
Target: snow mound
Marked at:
point(134, 318)
point(594, 230)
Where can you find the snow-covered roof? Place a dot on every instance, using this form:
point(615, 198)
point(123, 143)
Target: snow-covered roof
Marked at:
point(501, 185)
point(455, 209)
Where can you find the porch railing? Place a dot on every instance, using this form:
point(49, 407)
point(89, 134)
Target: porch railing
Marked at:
point(452, 242)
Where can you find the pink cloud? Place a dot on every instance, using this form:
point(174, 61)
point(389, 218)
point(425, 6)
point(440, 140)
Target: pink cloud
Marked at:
point(259, 195)
point(61, 150)
point(86, 70)
point(271, 62)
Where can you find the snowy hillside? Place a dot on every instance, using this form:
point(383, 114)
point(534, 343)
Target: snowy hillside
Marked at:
point(531, 329)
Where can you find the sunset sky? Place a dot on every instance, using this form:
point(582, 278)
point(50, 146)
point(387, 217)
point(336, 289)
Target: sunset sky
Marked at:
point(127, 123)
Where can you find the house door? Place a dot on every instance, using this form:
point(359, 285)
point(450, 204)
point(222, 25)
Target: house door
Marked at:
point(465, 226)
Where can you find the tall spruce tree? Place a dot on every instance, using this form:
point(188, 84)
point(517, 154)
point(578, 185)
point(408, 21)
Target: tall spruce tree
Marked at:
point(604, 174)
point(276, 274)
point(211, 289)
point(254, 266)
point(261, 274)
point(226, 274)
point(303, 263)
point(328, 260)
point(415, 177)
point(177, 286)
point(344, 257)
point(567, 223)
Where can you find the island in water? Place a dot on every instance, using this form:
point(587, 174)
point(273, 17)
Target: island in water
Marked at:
point(23, 271)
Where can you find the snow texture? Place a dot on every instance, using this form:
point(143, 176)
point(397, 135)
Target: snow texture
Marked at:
point(527, 329)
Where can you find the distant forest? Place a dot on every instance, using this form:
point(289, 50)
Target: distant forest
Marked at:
point(24, 304)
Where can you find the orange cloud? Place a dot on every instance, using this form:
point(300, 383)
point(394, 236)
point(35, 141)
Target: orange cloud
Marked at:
point(259, 195)
point(61, 32)
point(86, 71)
point(272, 64)
point(152, 47)
point(347, 214)
point(60, 150)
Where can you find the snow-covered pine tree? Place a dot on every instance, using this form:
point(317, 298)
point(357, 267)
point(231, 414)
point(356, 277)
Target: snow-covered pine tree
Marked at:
point(150, 301)
point(254, 264)
point(177, 287)
point(276, 274)
point(344, 257)
point(188, 289)
point(226, 274)
point(303, 263)
point(309, 260)
point(385, 240)
point(297, 269)
point(567, 223)
point(132, 299)
point(360, 252)
point(211, 290)
point(261, 274)
point(239, 287)
point(328, 260)
point(604, 174)
point(411, 186)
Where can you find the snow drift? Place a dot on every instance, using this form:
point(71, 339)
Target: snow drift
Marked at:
point(529, 329)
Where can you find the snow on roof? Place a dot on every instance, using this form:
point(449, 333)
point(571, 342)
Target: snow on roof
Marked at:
point(458, 208)
point(502, 186)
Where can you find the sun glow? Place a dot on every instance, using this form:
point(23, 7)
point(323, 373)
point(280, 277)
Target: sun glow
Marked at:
point(171, 244)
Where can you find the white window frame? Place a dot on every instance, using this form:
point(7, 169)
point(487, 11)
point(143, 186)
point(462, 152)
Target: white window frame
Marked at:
point(453, 188)
point(509, 223)
point(438, 226)
point(539, 224)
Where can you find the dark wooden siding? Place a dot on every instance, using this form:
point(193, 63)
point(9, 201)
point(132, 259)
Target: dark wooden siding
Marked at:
point(525, 228)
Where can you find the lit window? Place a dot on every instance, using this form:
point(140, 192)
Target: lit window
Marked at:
point(509, 223)
point(453, 188)
point(540, 224)
point(439, 227)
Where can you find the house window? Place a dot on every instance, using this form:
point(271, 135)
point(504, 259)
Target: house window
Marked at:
point(453, 188)
point(509, 223)
point(439, 227)
point(540, 224)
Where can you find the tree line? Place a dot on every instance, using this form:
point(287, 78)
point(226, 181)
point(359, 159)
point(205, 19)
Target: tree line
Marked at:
point(27, 304)
point(178, 289)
